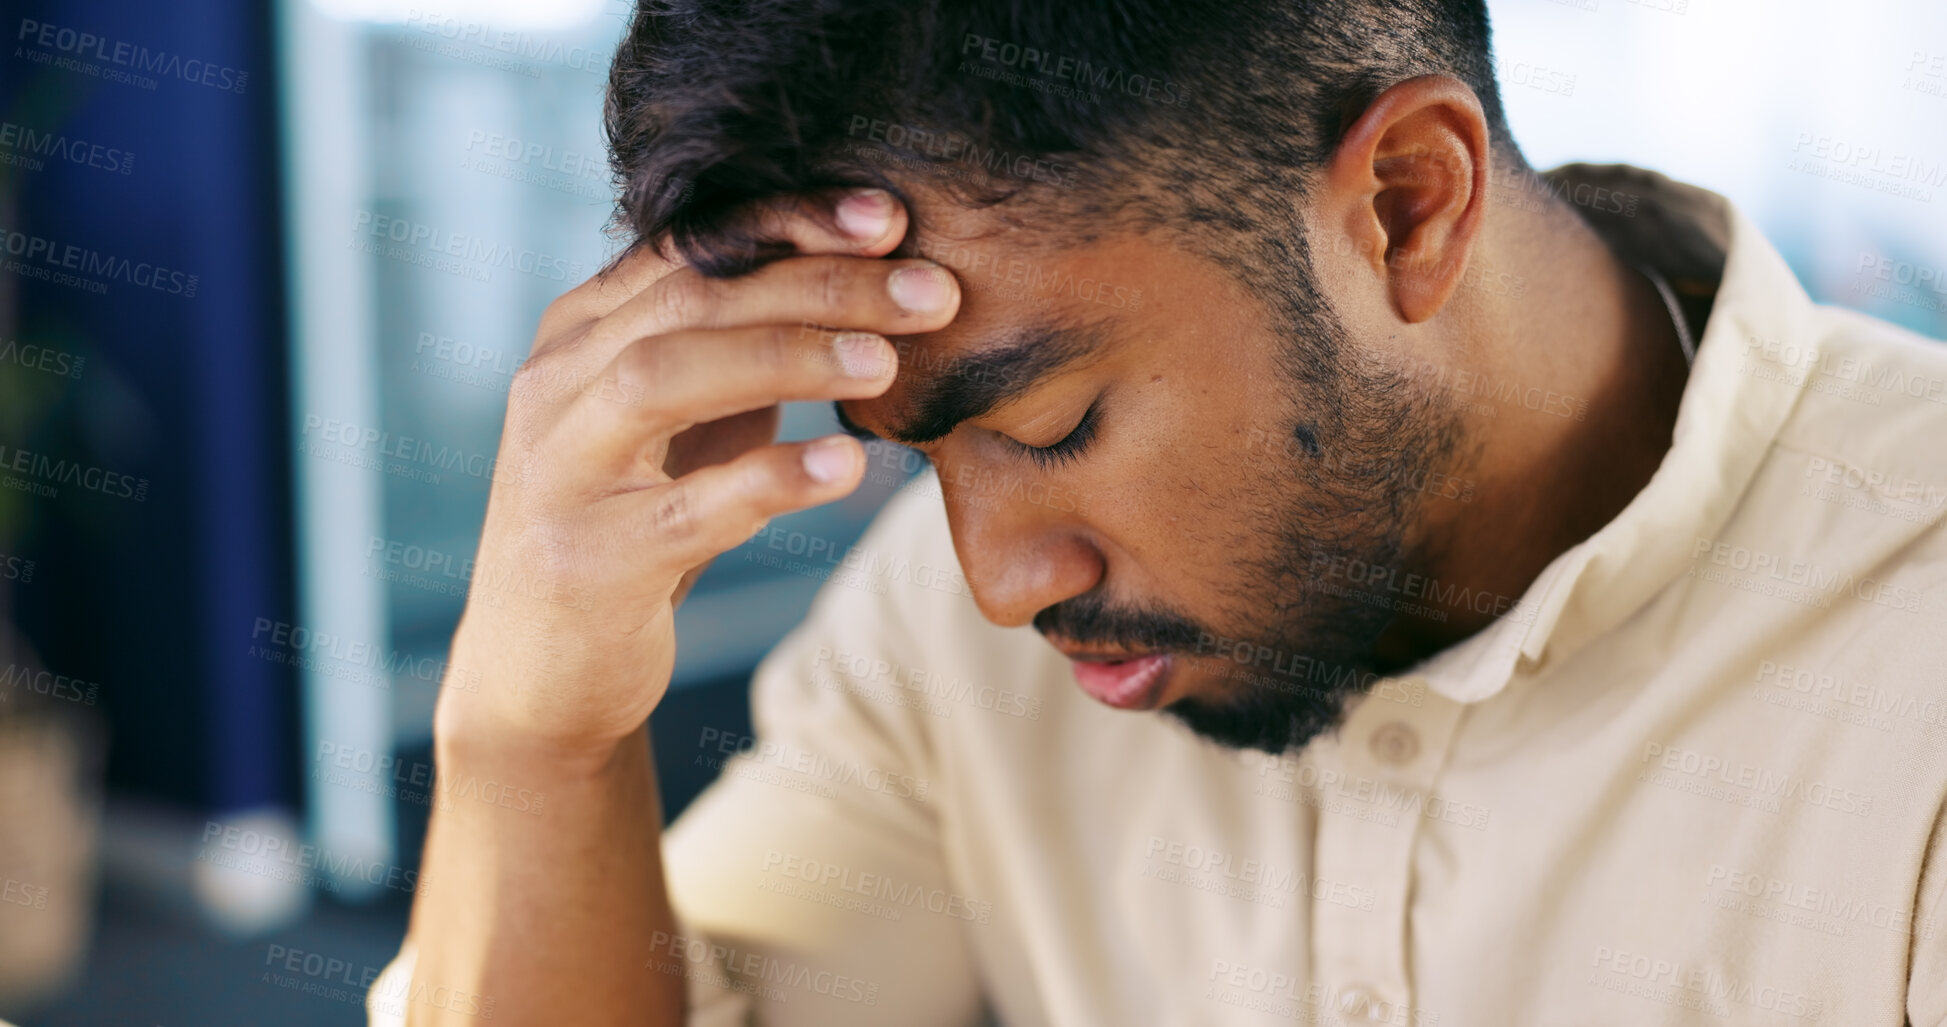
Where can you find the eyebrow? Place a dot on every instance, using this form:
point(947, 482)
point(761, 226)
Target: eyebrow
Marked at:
point(972, 386)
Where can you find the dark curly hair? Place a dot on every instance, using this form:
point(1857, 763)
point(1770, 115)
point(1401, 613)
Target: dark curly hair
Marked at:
point(1203, 119)
point(1200, 114)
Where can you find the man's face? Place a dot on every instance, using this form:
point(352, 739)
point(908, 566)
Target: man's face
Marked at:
point(1139, 459)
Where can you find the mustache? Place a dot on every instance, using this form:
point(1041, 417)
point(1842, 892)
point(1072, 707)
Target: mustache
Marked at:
point(1091, 619)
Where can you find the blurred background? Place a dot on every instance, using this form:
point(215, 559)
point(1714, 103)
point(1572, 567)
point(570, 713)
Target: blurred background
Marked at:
point(265, 273)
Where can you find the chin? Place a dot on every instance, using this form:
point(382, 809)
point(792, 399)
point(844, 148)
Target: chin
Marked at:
point(1243, 718)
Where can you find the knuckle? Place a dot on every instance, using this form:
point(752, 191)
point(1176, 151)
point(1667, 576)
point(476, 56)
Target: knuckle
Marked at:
point(647, 365)
point(573, 304)
point(830, 286)
point(531, 381)
point(770, 220)
point(674, 516)
point(565, 325)
point(774, 355)
point(819, 352)
point(681, 300)
point(556, 314)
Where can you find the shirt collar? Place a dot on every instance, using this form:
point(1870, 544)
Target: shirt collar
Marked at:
point(1727, 276)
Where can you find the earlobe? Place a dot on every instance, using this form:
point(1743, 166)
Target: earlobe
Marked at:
point(1415, 166)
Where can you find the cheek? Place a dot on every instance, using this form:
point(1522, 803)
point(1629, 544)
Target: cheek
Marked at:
point(1191, 492)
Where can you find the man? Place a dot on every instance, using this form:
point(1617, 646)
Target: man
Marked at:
point(1543, 599)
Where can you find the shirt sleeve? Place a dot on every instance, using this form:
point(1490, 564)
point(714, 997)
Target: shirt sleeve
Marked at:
point(810, 872)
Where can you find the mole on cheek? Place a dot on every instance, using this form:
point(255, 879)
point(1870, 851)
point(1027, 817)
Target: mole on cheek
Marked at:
point(1307, 437)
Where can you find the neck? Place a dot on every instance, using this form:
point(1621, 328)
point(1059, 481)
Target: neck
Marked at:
point(1591, 342)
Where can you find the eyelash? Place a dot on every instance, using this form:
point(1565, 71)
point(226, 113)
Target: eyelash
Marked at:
point(1072, 445)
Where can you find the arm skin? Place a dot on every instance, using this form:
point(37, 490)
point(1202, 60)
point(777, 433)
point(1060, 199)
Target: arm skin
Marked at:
point(637, 448)
point(549, 917)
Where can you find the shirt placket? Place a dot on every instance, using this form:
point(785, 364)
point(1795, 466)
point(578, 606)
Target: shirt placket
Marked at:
point(1375, 788)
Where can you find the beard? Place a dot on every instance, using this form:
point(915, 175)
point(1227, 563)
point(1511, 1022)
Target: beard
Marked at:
point(1362, 441)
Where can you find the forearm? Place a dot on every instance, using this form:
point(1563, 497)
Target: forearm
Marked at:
point(552, 917)
point(548, 917)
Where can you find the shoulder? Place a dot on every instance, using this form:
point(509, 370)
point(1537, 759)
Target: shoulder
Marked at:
point(1872, 393)
point(1855, 486)
point(1868, 433)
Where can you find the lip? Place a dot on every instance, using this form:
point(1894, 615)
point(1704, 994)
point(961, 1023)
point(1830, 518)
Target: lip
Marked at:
point(1126, 683)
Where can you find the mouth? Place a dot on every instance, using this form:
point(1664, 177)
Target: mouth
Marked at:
point(1122, 681)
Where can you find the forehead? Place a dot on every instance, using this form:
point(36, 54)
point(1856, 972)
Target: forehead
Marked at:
point(1019, 264)
point(1028, 276)
point(1027, 308)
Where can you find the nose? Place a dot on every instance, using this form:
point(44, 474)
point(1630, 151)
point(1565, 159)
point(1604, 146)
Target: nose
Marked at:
point(1021, 557)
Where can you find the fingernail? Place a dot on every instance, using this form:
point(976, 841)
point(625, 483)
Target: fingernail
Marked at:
point(828, 460)
point(865, 214)
point(862, 354)
point(921, 289)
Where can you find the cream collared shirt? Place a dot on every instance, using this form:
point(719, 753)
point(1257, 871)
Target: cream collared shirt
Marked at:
point(1694, 776)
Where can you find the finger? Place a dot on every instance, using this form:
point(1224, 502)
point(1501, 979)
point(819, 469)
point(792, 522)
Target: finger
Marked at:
point(673, 381)
point(852, 222)
point(600, 295)
point(857, 222)
point(890, 297)
point(707, 512)
point(661, 386)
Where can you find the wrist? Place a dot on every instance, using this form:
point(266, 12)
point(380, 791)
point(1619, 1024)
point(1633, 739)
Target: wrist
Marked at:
point(469, 734)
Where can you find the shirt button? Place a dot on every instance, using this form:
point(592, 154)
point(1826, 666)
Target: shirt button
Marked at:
point(1395, 743)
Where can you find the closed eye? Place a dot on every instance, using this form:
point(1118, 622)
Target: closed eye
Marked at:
point(1071, 445)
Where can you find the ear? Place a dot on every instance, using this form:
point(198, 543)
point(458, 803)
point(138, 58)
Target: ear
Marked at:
point(1408, 185)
